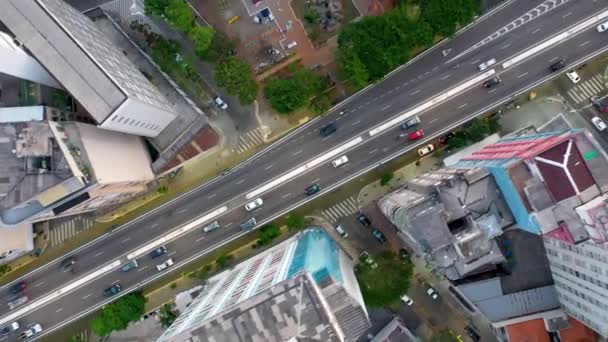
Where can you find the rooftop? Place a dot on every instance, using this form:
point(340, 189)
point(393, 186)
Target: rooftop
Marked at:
point(452, 215)
point(394, 331)
point(536, 330)
point(292, 308)
point(82, 59)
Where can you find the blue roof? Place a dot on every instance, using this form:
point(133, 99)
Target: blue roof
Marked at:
point(318, 254)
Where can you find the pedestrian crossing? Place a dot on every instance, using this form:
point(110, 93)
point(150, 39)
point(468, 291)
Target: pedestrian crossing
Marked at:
point(63, 229)
point(250, 140)
point(585, 89)
point(342, 209)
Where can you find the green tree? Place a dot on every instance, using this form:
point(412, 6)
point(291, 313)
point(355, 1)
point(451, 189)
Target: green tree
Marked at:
point(445, 336)
point(118, 315)
point(296, 222)
point(4, 269)
point(445, 16)
point(268, 233)
point(236, 76)
point(311, 16)
point(386, 178)
point(223, 260)
point(156, 7)
point(166, 315)
point(351, 68)
point(320, 104)
point(222, 46)
point(385, 284)
point(179, 14)
point(164, 52)
point(293, 92)
point(202, 37)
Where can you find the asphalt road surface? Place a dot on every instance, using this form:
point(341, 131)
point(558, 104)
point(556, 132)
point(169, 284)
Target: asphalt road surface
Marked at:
point(427, 76)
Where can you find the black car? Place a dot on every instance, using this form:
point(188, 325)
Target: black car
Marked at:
point(313, 189)
point(472, 333)
point(364, 219)
point(18, 288)
point(158, 252)
point(68, 263)
point(328, 130)
point(600, 104)
point(492, 82)
point(112, 290)
point(558, 65)
point(378, 235)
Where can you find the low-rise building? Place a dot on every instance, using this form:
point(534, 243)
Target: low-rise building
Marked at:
point(301, 289)
point(51, 169)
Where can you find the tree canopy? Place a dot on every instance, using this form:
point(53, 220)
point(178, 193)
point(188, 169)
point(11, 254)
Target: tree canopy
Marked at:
point(177, 12)
point(236, 76)
point(166, 315)
point(118, 314)
point(202, 36)
point(372, 47)
point(268, 233)
point(385, 284)
point(287, 94)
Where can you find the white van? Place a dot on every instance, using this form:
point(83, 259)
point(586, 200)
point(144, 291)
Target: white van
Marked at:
point(483, 66)
point(211, 227)
point(292, 44)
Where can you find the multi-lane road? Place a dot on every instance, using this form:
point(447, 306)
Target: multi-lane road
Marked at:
point(513, 29)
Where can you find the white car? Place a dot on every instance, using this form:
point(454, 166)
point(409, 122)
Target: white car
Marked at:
point(33, 330)
point(407, 300)
point(431, 292)
point(573, 76)
point(164, 265)
point(220, 103)
point(423, 151)
point(598, 123)
point(340, 161)
point(483, 66)
point(255, 204)
point(602, 27)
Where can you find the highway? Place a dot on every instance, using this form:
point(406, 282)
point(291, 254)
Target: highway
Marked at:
point(426, 77)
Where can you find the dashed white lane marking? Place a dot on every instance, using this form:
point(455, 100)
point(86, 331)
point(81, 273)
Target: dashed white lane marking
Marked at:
point(434, 120)
point(414, 93)
point(356, 122)
point(269, 167)
point(125, 240)
point(462, 106)
point(386, 107)
point(475, 61)
point(87, 296)
point(522, 75)
point(286, 195)
point(298, 152)
point(199, 239)
point(142, 268)
point(445, 77)
point(240, 181)
point(567, 15)
point(210, 197)
point(40, 283)
point(491, 91)
point(98, 254)
point(538, 29)
point(373, 151)
point(59, 310)
point(182, 211)
point(227, 224)
point(552, 59)
point(170, 254)
point(154, 225)
point(585, 43)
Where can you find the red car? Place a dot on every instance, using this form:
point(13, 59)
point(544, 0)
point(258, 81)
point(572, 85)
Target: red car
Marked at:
point(415, 135)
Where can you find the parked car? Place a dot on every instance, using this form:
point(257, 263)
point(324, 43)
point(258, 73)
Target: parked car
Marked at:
point(328, 130)
point(31, 331)
point(164, 265)
point(18, 287)
point(560, 64)
point(423, 151)
point(220, 103)
point(313, 189)
point(602, 27)
point(364, 219)
point(599, 104)
point(378, 235)
point(68, 263)
point(9, 329)
point(158, 252)
point(598, 123)
point(340, 161)
point(431, 292)
point(472, 333)
point(412, 122)
point(415, 135)
point(483, 66)
point(249, 224)
point(112, 290)
point(17, 302)
point(573, 76)
point(341, 231)
point(129, 266)
point(494, 81)
point(366, 259)
point(255, 204)
point(407, 300)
